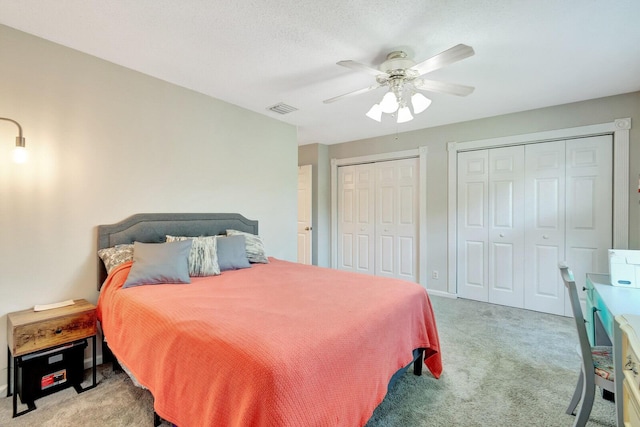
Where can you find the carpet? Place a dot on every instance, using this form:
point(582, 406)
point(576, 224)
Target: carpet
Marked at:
point(502, 367)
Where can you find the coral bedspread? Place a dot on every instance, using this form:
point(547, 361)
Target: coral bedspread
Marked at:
point(279, 344)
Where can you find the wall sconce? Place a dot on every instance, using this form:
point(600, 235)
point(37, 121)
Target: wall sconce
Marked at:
point(20, 152)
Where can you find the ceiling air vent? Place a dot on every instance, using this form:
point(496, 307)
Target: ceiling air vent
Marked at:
point(282, 108)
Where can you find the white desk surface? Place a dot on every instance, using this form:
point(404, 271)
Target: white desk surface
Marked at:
point(619, 300)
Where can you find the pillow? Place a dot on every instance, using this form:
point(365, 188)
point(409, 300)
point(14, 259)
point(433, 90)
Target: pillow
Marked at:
point(116, 255)
point(232, 254)
point(156, 263)
point(203, 258)
point(254, 246)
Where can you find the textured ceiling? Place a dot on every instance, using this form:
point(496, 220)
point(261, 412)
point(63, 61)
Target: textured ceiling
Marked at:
point(529, 53)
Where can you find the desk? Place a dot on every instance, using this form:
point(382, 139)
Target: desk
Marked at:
point(604, 303)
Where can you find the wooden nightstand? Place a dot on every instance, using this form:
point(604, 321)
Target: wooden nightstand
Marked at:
point(54, 335)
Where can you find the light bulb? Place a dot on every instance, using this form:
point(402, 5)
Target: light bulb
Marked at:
point(20, 154)
point(389, 103)
point(375, 113)
point(419, 102)
point(404, 115)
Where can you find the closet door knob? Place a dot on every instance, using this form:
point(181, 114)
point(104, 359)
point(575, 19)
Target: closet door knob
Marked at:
point(501, 235)
point(544, 236)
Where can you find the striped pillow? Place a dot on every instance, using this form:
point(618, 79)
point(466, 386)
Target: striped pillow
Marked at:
point(203, 258)
point(254, 245)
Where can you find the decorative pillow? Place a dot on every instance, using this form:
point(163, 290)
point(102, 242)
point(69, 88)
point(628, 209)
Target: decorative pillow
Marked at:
point(116, 255)
point(232, 254)
point(156, 263)
point(203, 258)
point(254, 246)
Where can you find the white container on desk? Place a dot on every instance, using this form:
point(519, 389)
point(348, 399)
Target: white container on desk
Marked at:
point(624, 267)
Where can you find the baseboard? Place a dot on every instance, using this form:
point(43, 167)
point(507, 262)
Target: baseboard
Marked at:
point(442, 294)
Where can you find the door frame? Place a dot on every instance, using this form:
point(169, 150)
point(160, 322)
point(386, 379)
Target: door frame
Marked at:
point(421, 154)
point(619, 129)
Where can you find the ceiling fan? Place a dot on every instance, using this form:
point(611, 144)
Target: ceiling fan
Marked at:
point(403, 77)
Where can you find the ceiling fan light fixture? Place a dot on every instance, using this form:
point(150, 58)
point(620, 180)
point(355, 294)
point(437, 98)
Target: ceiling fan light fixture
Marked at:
point(419, 102)
point(389, 103)
point(404, 115)
point(375, 113)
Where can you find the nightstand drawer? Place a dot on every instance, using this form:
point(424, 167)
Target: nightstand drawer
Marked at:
point(29, 331)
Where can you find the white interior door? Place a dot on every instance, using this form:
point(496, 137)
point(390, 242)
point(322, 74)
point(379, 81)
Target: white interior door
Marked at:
point(473, 225)
point(305, 239)
point(397, 219)
point(589, 207)
point(544, 226)
point(356, 223)
point(506, 226)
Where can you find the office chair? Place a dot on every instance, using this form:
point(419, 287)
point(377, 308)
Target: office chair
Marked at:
point(597, 362)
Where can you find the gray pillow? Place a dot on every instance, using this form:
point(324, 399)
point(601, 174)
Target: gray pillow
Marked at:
point(254, 246)
point(203, 258)
point(157, 263)
point(232, 253)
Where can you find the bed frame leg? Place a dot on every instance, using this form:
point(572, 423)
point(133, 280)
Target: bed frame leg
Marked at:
point(107, 356)
point(156, 419)
point(417, 364)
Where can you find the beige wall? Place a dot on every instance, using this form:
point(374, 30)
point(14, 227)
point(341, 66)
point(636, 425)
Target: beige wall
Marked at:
point(106, 142)
point(604, 110)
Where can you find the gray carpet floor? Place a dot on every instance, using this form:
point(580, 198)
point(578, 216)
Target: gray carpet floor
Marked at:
point(502, 367)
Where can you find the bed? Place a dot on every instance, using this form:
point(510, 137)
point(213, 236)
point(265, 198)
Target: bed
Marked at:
point(275, 344)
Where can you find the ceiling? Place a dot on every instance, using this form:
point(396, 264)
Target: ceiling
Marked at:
point(529, 53)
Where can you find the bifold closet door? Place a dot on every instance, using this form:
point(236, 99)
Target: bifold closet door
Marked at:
point(397, 219)
point(490, 225)
point(545, 226)
point(378, 218)
point(356, 222)
point(568, 216)
point(523, 209)
point(589, 218)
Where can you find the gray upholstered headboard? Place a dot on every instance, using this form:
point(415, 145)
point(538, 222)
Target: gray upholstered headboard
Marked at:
point(153, 227)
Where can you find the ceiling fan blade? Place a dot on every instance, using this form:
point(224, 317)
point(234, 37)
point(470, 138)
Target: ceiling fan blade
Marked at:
point(355, 92)
point(443, 87)
point(360, 67)
point(442, 59)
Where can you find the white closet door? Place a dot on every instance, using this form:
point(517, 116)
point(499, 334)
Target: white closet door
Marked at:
point(506, 226)
point(544, 226)
point(356, 224)
point(589, 207)
point(473, 225)
point(397, 219)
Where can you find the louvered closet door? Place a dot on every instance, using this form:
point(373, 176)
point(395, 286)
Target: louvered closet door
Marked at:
point(356, 224)
point(589, 207)
point(473, 225)
point(397, 219)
